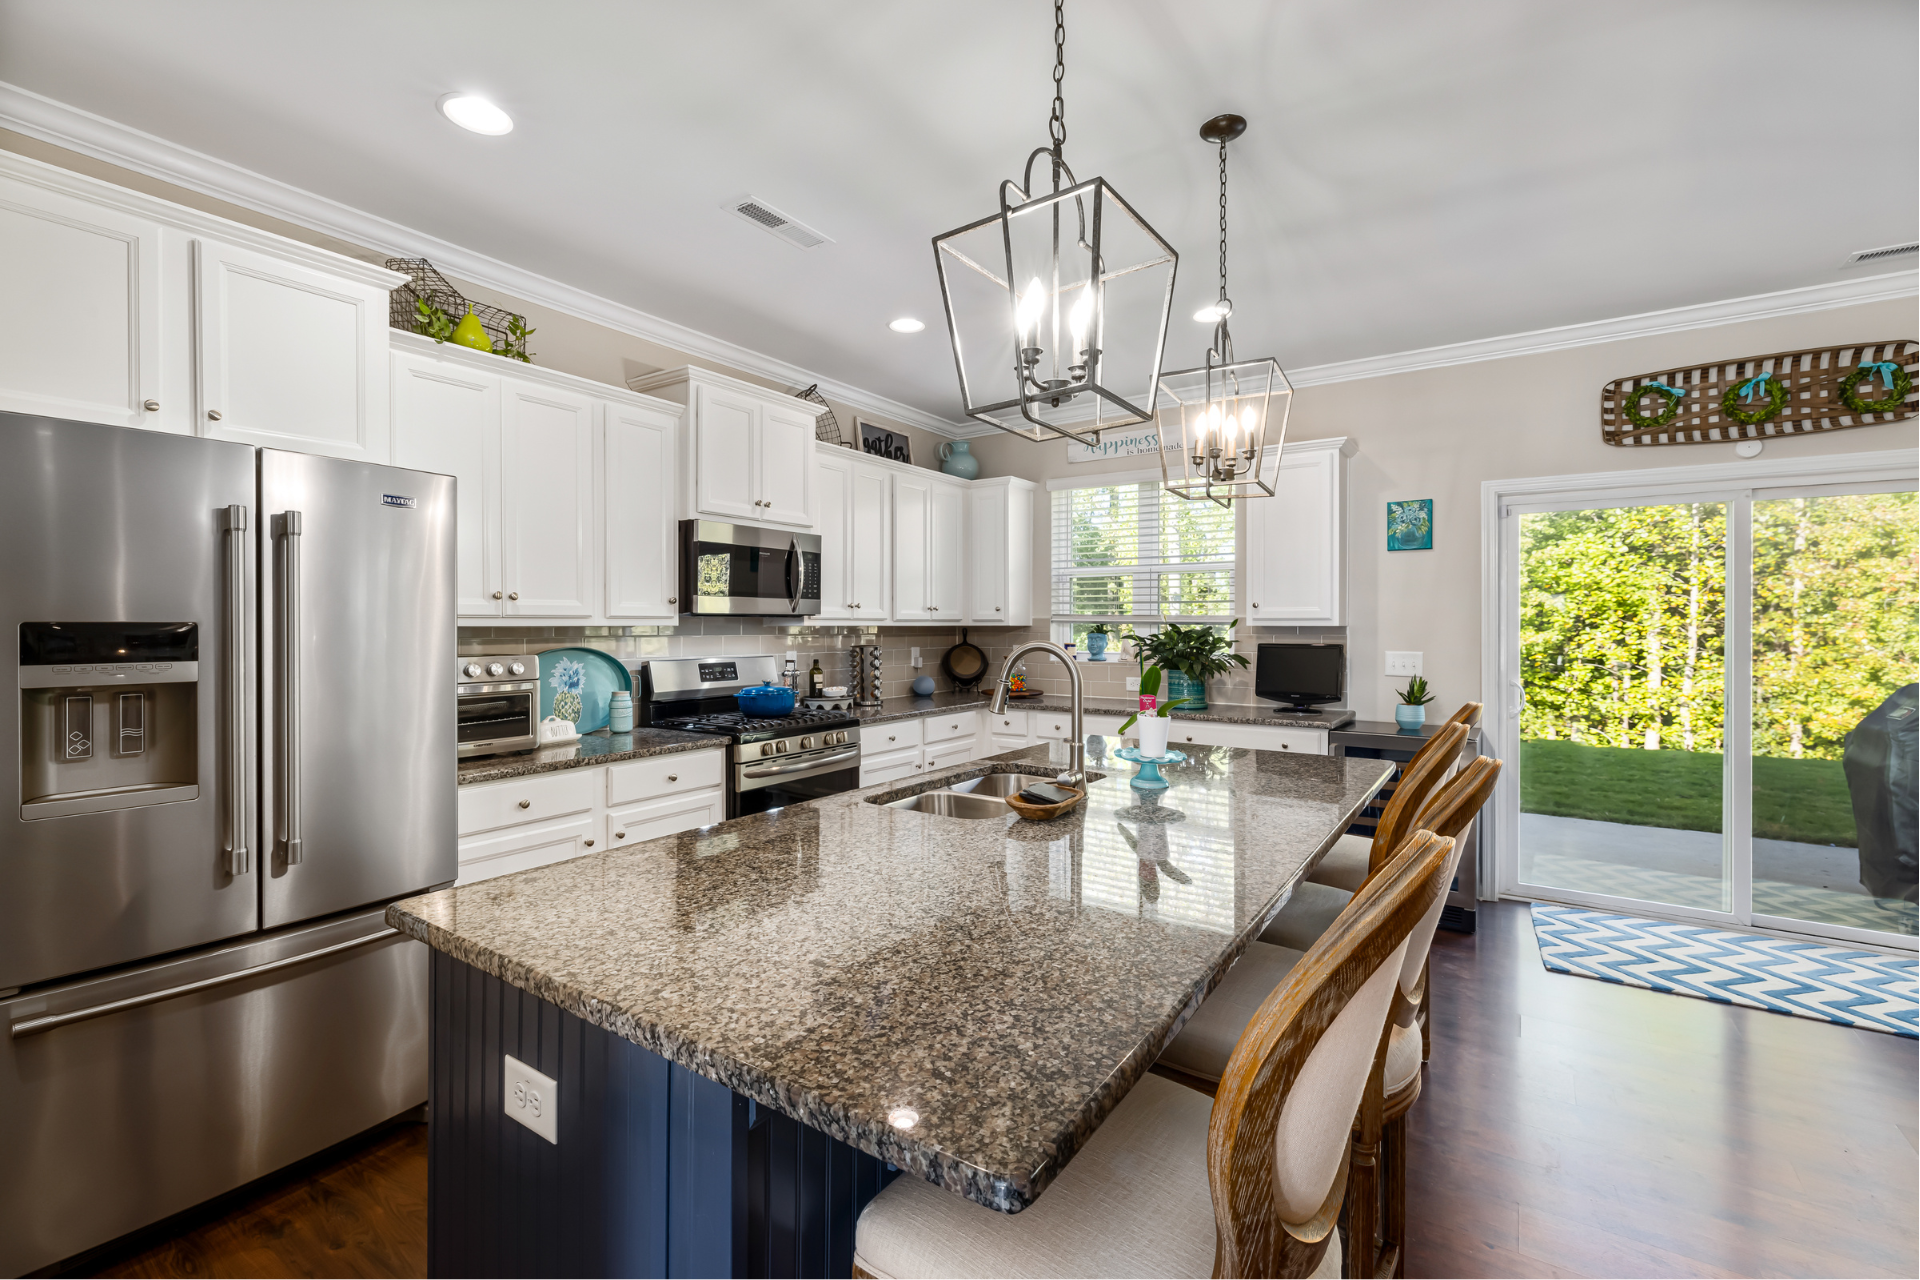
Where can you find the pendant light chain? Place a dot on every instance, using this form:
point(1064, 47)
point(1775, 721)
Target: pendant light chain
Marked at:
point(1057, 122)
point(1223, 222)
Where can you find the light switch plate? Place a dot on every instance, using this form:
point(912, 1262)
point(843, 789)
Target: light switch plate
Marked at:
point(1403, 663)
point(532, 1099)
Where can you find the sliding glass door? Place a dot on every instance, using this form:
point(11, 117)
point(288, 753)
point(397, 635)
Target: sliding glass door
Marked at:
point(1712, 698)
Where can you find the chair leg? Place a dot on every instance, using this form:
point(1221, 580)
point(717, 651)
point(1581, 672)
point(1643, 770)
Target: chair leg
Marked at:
point(1363, 1174)
point(1393, 1177)
point(1426, 1006)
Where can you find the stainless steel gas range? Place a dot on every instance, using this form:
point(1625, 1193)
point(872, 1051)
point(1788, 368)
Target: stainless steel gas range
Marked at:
point(774, 761)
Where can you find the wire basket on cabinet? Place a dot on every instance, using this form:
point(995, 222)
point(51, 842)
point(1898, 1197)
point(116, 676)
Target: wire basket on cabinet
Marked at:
point(827, 426)
point(425, 285)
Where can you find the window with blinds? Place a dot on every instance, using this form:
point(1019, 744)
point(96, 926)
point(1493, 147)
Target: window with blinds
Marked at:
point(1133, 553)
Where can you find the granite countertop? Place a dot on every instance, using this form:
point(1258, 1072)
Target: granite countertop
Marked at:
point(1218, 712)
point(598, 747)
point(966, 998)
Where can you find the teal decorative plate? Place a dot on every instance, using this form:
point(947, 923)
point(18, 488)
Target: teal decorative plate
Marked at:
point(588, 674)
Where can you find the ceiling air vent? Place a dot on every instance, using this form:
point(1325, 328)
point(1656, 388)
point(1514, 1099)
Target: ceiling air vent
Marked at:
point(1887, 255)
point(769, 219)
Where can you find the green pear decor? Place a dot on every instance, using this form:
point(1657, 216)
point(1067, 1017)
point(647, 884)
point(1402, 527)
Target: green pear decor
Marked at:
point(471, 333)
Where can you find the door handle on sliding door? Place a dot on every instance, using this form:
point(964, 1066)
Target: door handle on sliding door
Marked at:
point(290, 682)
point(239, 857)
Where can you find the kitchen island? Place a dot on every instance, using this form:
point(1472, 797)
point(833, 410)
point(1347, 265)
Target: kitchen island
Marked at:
point(753, 1025)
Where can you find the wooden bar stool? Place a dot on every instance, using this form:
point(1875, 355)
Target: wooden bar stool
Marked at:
point(1172, 1184)
point(1353, 858)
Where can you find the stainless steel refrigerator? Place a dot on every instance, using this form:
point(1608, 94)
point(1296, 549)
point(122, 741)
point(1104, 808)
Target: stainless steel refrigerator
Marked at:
point(231, 744)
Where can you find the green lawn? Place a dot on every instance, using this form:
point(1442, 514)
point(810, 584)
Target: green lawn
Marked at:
point(1803, 800)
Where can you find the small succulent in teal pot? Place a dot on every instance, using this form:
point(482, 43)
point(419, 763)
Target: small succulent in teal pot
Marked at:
point(567, 680)
point(1412, 711)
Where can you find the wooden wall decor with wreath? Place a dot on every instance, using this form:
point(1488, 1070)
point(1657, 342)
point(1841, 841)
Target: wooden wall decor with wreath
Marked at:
point(1787, 393)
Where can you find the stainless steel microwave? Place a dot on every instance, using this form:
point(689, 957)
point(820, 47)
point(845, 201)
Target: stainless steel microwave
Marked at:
point(745, 569)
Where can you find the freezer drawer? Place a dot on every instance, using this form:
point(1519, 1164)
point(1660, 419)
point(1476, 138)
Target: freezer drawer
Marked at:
point(113, 1119)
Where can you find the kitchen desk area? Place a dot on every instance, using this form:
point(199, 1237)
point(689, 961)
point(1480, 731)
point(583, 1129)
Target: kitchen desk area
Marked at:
point(735, 1036)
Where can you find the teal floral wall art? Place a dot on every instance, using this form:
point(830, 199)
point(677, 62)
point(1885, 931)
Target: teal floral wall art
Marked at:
point(1410, 525)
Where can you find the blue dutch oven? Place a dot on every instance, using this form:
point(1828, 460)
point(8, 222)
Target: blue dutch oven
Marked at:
point(765, 700)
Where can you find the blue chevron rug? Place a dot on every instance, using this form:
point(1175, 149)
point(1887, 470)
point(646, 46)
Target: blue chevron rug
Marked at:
point(1846, 985)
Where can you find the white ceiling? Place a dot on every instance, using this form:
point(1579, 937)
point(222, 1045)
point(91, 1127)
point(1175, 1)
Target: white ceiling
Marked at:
point(1415, 173)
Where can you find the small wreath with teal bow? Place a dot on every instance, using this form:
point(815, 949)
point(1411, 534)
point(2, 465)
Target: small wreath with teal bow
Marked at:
point(1630, 405)
point(1774, 389)
point(1899, 383)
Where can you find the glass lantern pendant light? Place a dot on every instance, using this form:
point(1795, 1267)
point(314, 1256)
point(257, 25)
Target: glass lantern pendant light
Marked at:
point(1057, 305)
point(1231, 412)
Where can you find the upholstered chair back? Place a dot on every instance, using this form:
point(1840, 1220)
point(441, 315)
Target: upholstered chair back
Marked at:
point(1417, 780)
point(1449, 814)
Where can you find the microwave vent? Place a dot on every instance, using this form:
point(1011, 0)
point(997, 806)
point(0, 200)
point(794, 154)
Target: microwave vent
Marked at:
point(769, 219)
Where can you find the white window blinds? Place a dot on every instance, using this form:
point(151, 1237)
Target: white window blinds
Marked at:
point(1135, 553)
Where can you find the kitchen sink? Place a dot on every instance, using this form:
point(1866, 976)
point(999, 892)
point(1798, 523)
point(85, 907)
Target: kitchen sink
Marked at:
point(998, 784)
point(954, 804)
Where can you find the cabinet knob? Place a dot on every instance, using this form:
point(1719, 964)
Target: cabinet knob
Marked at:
point(1256, 604)
point(673, 599)
point(152, 406)
point(213, 415)
point(673, 777)
point(526, 804)
point(496, 595)
point(1189, 737)
point(996, 608)
point(513, 595)
point(619, 835)
point(889, 737)
point(589, 844)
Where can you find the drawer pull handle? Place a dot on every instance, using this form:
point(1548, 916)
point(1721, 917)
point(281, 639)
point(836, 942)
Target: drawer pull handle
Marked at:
point(589, 844)
point(619, 835)
point(673, 777)
point(526, 804)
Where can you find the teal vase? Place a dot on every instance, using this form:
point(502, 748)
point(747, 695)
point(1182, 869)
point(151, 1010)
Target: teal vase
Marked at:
point(1097, 646)
point(1409, 717)
point(956, 459)
point(1189, 693)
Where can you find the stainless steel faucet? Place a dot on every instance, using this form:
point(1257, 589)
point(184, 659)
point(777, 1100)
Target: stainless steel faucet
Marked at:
point(1077, 757)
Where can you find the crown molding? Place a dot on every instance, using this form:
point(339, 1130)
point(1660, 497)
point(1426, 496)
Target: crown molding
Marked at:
point(1703, 315)
point(65, 126)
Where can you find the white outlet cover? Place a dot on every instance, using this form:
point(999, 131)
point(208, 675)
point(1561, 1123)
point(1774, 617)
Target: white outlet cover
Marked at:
point(915, 659)
point(532, 1099)
point(1133, 684)
point(1404, 662)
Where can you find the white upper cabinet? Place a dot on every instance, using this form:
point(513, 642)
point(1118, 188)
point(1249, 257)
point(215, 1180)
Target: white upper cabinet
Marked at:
point(80, 327)
point(1000, 547)
point(1296, 541)
point(750, 455)
point(912, 518)
point(446, 418)
point(946, 554)
point(833, 478)
point(642, 545)
point(289, 357)
point(856, 537)
point(546, 484)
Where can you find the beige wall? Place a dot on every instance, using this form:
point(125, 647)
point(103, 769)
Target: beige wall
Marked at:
point(563, 342)
point(1437, 434)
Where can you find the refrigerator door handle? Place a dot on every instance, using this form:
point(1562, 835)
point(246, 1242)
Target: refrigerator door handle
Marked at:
point(47, 1022)
point(239, 857)
point(290, 682)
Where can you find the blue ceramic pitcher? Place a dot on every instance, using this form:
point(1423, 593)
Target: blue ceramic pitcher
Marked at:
point(956, 459)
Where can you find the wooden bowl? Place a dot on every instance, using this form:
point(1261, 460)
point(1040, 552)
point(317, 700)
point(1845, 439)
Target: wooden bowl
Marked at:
point(1042, 812)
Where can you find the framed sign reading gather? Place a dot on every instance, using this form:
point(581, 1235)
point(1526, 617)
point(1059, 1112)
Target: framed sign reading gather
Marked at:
point(885, 442)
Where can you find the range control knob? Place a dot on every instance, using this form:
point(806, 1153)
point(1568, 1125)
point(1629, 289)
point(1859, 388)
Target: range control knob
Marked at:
point(471, 671)
point(496, 670)
point(517, 668)
point(806, 744)
point(766, 748)
point(779, 747)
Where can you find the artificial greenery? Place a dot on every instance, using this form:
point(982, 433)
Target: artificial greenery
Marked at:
point(1894, 398)
point(1415, 694)
point(1150, 688)
point(1101, 629)
point(1198, 652)
point(1776, 390)
point(435, 323)
point(1630, 405)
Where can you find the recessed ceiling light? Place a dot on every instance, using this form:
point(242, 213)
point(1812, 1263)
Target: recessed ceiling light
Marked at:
point(907, 324)
point(475, 113)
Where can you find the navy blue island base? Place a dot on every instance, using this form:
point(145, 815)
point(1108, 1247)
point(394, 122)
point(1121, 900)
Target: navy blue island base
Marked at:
point(658, 1171)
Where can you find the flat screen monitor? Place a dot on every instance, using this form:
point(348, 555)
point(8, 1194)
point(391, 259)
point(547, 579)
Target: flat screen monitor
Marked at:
point(1303, 676)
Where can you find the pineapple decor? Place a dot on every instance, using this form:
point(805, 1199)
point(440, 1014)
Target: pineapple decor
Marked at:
point(567, 680)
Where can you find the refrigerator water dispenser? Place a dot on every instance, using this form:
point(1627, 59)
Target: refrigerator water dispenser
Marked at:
point(108, 716)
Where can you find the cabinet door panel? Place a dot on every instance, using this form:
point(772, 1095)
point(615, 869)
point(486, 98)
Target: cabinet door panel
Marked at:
point(1293, 544)
point(546, 489)
point(946, 554)
point(447, 420)
point(836, 544)
point(80, 331)
point(988, 597)
point(871, 534)
point(290, 358)
point(641, 549)
point(786, 468)
point(912, 516)
point(725, 462)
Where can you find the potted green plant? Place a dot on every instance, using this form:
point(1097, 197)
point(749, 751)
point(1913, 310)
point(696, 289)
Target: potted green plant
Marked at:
point(1412, 711)
point(1191, 656)
point(1099, 635)
point(1153, 729)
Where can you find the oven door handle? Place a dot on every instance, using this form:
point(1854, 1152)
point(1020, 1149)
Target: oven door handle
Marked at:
point(799, 766)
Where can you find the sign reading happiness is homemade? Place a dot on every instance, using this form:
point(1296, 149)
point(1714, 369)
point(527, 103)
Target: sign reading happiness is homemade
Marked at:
point(1125, 443)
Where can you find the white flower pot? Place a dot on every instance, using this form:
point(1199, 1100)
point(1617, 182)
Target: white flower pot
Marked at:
point(1153, 734)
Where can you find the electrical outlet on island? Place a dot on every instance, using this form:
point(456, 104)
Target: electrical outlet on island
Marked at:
point(531, 1098)
point(1404, 663)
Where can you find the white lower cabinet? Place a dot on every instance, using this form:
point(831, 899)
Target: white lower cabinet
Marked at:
point(946, 755)
point(890, 766)
point(529, 822)
point(1207, 733)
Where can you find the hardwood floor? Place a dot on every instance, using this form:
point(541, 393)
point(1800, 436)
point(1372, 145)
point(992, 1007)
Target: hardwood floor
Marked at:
point(1567, 1128)
point(1572, 1127)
